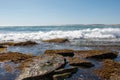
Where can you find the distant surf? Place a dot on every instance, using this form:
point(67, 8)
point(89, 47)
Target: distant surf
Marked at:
point(38, 33)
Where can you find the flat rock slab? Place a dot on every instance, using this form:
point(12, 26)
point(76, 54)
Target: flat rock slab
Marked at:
point(41, 66)
point(110, 70)
point(96, 54)
point(75, 61)
point(63, 52)
point(57, 40)
point(26, 43)
point(2, 48)
point(14, 57)
point(61, 74)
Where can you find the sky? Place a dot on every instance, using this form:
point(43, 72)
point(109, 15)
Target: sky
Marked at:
point(58, 12)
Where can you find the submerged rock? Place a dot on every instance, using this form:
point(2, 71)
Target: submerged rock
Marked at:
point(75, 61)
point(14, 57)
point(110, 70)
point(27, 43)
point(61, 74)
point(41, 66)
point(67, 70)
point(97, 54)
point(57, 40)
point(63, 52)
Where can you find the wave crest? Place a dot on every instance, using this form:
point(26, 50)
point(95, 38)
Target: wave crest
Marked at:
point(41, 35)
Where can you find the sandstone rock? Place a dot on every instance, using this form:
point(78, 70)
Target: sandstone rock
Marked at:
point(27, 43)
point(2, 48)
point(14, 57)
point(67, 70)
point(41, 66)
point(110, 70)
point(97, 54)
point(75, 61)
point(63, 52)
point(7, 43)
point(61, 76)
point(57, 40)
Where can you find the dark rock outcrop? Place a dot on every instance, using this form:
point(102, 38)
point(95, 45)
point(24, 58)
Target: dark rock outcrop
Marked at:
point(110, 70)
point(61, 74)
point(97, 54)
point(57, 40)
point(63, 52)
point(75, 61)
point(27, 43)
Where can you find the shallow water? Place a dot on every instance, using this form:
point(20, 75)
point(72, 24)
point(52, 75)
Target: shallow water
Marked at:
point(81, 74)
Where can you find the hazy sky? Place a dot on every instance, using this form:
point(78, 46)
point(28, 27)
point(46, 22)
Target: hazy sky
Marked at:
point(54, 12)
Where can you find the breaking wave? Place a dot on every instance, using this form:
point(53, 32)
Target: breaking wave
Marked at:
point(42, 35)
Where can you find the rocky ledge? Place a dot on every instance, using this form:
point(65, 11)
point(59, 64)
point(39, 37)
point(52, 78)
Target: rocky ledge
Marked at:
point(50, 65)
point(75, 61)
point(96, 54)
point(14, 57)
point(41, 66)
point(57, 40)
point(110, 70)
point(2, 48)
point(63, 52)
point(27, 43)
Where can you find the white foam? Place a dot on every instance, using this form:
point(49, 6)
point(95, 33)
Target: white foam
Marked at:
point(85, 33)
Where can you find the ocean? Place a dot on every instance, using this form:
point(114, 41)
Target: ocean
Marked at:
point(81, 37)
point(38, 33)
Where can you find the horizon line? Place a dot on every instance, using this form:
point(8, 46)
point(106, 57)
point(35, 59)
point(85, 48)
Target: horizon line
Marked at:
point(57, 25)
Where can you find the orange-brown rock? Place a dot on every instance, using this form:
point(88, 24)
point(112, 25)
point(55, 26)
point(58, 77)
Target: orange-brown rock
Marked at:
point(75, 61)
point(27, 43)
point(57, 40)
point(2, 48)
point(14, 57)
point(97, 54)
point(63, 52)
point(110, 70)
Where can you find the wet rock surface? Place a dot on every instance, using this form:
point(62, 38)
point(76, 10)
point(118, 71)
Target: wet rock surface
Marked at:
point(97, 54)
point(110, 70)
point(14, 57)
point(27, 43)
point(75, 61)
point(41, 66)
point(61, 74)
point(56, 65)
point(57, 40)
point(63, 52)
point(2, 48)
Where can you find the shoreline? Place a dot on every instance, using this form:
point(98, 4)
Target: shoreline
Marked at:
point(69, 53)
